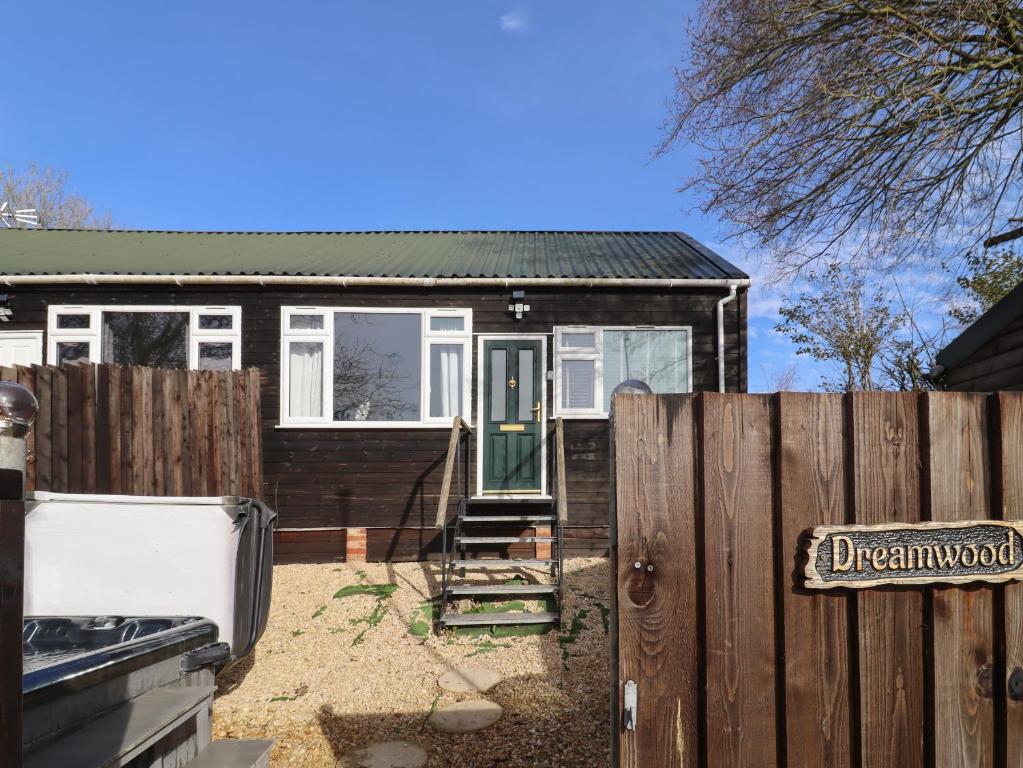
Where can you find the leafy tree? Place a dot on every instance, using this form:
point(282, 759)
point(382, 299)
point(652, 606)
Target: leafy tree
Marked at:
point(856, 331)
point(863, 123)
point(990, 275)
point(46, 190)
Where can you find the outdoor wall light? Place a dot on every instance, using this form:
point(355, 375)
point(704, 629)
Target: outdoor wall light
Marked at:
point(18, 409)
point(518, 306)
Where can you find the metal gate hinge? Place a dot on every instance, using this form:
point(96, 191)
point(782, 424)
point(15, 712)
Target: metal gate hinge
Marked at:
point(630, 708)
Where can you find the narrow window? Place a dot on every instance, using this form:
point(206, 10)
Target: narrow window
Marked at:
point(72, 352)
point(305, 380)
point(446, 377)
point(577, 384)
point(216, 355)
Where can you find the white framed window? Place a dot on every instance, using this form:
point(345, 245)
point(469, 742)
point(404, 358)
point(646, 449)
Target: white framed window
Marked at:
point(154, 336)
point(590, 361)
point(375, 367)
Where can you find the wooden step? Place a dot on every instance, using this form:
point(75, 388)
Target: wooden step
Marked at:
point(477, 501)
point(508, 519)
point(459, 590)
point(505, 540)
point(488, 619)
point(234, 753)
point(502, 563)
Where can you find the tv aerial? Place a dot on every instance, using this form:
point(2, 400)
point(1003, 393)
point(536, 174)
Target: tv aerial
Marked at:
point(10, 217)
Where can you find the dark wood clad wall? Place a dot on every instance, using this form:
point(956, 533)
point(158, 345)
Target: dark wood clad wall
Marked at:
point(389, 479)
point(998, 364)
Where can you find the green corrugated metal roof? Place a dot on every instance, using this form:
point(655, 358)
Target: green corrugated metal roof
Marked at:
point(363, 254)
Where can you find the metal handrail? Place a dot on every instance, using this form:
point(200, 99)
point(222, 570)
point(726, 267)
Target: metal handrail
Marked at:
point(452, 460)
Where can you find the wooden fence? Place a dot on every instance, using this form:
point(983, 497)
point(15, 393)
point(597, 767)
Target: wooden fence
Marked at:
point(737, 664)
point(111, 429)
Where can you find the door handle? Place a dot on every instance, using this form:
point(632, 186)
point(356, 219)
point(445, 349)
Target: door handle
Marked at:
point(536, 410)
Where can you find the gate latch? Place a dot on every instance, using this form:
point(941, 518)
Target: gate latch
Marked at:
point(630, 707)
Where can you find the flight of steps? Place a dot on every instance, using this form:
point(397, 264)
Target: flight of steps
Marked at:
point(478, 563)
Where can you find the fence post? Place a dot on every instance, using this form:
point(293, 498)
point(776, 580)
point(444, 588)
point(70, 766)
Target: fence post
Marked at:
point(18, 408)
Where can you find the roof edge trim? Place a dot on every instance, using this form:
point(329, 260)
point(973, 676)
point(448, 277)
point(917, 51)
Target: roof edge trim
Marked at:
point(354, 281)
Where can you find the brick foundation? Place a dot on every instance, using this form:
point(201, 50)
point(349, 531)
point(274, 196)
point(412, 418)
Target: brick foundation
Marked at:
point(355, 545)
point(543, 549)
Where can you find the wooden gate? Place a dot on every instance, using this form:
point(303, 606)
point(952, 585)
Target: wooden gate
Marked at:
point(735, 662)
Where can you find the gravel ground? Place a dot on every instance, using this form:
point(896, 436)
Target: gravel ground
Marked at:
point(333, 674)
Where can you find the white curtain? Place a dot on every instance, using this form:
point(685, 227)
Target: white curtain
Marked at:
point(445, 380)
point(305, 381)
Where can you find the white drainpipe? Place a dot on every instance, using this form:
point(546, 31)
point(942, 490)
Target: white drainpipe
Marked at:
point(721, 335)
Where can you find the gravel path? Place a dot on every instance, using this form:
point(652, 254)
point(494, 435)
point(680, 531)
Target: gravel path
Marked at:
point(333, 674)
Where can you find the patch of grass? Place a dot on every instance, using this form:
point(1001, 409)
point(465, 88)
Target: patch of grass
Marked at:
point(486, 646)
point(297, 632)
point(372, 620)
point(499, 607)
point(379, 591)
point(576, 628)
point(605, 613)
point(283, 698)
point(433, 708)
point(319, 611)
point(423, 618)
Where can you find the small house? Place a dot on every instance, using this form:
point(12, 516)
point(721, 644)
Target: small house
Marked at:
point(987, 355)
point(370, 343)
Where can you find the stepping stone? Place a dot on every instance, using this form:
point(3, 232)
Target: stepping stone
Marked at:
point(466, 716)
point(385, 754)
point(469, 680)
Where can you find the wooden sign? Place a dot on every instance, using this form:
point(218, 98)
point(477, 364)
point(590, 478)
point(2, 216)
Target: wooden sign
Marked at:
point(862, 556)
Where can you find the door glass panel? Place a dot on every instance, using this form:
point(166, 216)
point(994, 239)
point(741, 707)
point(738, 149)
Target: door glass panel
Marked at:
point(216, 356)
point(72, 352)
point(445, 380)
point(577, 379)
point(525, 384)
point(498, 383)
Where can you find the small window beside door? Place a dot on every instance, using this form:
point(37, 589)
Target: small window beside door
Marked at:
point(591, 361)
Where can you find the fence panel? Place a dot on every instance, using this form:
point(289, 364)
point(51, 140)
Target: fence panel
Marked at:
point(111, 429)
point(908, 674)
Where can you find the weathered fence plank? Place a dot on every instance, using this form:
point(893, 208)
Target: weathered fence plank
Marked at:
point(656, 579)
point(737, 473)
point(957, 464)
point(108, 429)
point(811, 488)
point(886, 488)
point(1008, 492)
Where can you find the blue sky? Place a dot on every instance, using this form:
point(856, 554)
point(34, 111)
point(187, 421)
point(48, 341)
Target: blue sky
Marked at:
point(341, 115)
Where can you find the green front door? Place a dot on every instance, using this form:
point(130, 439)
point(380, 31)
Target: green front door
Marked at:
point(512, 416)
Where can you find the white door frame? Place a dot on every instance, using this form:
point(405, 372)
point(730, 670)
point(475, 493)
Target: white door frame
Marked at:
point(36, 336)
point(481, 412)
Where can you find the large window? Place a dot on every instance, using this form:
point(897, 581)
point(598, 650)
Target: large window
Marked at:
point(207, 338)
point(374, 367)
point(592, 361)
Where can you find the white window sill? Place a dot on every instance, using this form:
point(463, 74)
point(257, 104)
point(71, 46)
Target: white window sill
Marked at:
point(366, 425)
point(581, 416)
